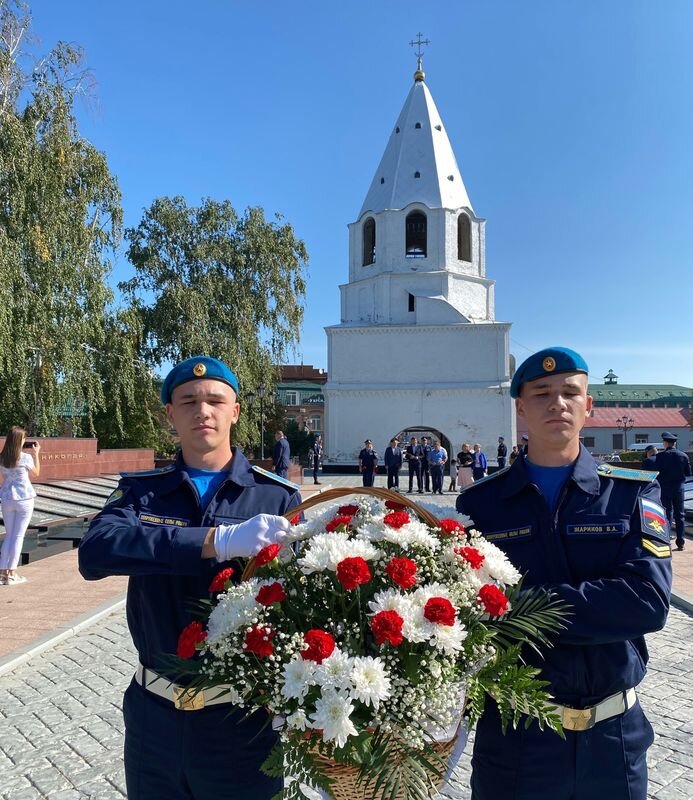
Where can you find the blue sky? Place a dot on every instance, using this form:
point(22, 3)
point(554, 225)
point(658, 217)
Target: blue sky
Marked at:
point(572, 123)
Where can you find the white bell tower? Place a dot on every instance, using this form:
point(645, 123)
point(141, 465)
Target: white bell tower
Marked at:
point(418, 346)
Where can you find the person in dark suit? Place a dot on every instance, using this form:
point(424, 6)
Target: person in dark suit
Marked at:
point(413, 455)
point(393, 463)
point(281, 455)
point(425, 463)
point(502, 452)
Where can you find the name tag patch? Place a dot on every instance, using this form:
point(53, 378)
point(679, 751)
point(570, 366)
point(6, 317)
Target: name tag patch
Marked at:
point(513, 534)
point(153, 519)
point(617, 528)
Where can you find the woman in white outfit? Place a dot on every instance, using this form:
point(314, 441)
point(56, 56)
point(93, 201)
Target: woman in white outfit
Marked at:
point(17, 496)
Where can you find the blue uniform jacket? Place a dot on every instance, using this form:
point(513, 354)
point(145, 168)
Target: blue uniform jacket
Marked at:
point(673, 467)
point(152, 528)
point(602, 552)
point(281, 455)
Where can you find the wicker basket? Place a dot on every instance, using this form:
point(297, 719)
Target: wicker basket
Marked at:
point(344, 777)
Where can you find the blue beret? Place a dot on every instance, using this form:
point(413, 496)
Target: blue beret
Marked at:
point(550, 361)
point(195, 368)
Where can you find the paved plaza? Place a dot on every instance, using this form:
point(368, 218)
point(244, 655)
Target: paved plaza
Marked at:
point(61, 729)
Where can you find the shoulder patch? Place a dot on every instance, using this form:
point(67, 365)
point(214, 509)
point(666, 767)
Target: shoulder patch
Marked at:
point(149, 473)
point(114, 496)
point(653, 520)
point(609, 471)
point(278, 478)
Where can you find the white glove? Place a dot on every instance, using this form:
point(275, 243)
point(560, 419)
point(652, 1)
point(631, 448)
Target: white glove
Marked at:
point(249, 537)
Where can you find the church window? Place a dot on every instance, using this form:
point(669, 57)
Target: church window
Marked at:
point(451, 177)
point(439, 127)
point(464, 238)
point(396, 130)
point(416, 235)
point(417, 174)
point(418, 125)
point(369, 242)
point(412, 302)
point(382, 180)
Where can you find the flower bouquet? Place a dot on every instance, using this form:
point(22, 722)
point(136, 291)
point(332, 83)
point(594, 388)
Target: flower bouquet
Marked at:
point(368, 638)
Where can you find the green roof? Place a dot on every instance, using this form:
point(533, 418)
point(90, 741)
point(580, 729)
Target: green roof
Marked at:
point(641, 392)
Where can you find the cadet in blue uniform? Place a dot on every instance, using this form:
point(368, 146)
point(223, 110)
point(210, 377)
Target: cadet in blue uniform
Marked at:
point(172, 531)
point(598, 539)
point(673, 466)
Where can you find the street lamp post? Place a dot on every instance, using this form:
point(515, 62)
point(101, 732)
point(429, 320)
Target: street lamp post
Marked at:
point(625, 423)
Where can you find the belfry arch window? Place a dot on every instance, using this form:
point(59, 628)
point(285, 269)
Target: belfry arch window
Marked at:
point(369, 242)
point(464, 238)
point(416, 235)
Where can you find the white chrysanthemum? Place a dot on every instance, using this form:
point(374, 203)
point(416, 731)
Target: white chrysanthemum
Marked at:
point(415, 627)
point(371, 683)
point(236, 608)
point(326, 550)
point(390, 600)
point(298, 720)
point(335, 671)
point(413, 533)
point(424, 593)
point(332, 715)
point(298, 678)
point(496, 565)
point(313, 526)
point(449, 638)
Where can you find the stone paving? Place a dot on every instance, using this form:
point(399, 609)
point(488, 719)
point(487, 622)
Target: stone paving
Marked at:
point(61, 729)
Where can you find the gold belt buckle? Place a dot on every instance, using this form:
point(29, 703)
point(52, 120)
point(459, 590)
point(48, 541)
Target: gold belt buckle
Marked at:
point(188, 699)
point(578, 719)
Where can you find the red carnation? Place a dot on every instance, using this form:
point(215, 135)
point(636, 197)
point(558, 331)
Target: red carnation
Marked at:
point(320, 645)
point(387, 627)
point(352, 572)
point(450, 526)
point(267, 554)
point(396, 519)
point(349, 510)
point(258, 640)
point(493, 600)
point(440, 610)
point(219, 582)
point(393, 505)
point(271, 593)
point(402, 571)
point(337, 522)
point(295, 520)
point(471, 555)
point(190, 636)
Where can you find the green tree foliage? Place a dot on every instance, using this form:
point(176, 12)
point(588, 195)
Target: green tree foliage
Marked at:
point(60, 220)
point(211, 281)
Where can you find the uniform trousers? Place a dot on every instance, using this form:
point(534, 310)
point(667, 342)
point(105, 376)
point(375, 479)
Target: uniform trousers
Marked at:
point(17, 516)
point(606, 762)
point(672, 500)
point(316, 467)
point(426, 475)
point(393, 477)
point(414, 472)
point(211, 754)
point(437, 478)
point(368, 476)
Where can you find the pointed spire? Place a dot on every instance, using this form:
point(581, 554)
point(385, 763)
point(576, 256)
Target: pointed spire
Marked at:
point(418, 164)
point(419, 75)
